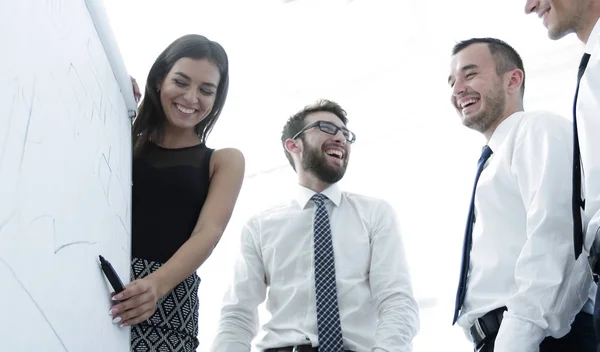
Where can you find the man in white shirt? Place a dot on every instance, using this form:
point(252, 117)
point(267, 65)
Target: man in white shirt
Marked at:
point(582, 17)
point(521, 288)
point(330, 264)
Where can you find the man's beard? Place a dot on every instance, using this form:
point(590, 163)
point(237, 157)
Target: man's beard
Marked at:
point(494, 108)
point(314, 161)
point(572, 23)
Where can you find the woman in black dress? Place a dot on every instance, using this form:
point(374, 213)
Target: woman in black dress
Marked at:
point(183, 194)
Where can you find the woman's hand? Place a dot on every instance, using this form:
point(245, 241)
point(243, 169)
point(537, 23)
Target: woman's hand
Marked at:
point(137, 302)
point(136, 90)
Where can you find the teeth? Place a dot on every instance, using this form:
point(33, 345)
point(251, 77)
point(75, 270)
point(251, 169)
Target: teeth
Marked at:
point(184, 110)
point(467, 102)
point(334, 152)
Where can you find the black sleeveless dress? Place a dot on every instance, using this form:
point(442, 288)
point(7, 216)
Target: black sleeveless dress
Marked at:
point(169, 190)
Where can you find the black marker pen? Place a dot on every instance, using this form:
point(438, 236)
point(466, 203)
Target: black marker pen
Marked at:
point(111, 275)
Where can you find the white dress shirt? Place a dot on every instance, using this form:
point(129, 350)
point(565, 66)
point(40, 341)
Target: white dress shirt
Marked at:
point(377, 309)
point(522, 254)
point(588, 130)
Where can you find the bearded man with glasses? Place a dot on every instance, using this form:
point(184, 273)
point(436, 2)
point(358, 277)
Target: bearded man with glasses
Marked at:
point(333, 262)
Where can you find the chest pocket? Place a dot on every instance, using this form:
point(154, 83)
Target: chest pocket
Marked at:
point(352, 250)
point(290, 255)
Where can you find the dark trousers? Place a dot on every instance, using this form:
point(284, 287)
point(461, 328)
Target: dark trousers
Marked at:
point(581, 338)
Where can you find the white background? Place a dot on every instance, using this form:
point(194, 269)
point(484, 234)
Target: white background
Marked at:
point(386, 63)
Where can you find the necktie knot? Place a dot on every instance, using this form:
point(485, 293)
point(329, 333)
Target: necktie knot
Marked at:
point(485, 154)
point(319, 199)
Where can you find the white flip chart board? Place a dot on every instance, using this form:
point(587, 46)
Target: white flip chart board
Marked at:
point(65, 176)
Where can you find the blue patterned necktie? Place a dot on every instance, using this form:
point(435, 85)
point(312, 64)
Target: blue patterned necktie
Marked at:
point(328, 316)
point(468, 241)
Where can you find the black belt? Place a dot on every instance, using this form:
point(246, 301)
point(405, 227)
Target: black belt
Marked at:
point(486, 327)
point(300, 348)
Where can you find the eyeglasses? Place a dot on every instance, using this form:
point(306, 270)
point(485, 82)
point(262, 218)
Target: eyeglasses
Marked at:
point(329, 128)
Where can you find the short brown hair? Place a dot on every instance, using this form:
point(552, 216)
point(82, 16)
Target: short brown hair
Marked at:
point(296, 122)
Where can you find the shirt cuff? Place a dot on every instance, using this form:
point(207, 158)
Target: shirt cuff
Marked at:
point(590, 235)
point(517, 335)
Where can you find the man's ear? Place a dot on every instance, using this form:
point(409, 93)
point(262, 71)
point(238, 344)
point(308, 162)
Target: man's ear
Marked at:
point(293, 146)
point(515, 80)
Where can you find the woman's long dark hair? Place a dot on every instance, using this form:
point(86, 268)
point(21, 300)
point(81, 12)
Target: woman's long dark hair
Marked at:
point(149, 123)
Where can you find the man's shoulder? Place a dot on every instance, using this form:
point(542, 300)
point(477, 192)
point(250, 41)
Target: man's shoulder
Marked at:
point(541, 116)
point(361, 197)
point(275, 209)
point(548, 121)
point(273, 213)
point(367, 202)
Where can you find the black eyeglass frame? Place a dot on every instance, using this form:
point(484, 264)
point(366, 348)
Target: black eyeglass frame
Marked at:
point(330, 128)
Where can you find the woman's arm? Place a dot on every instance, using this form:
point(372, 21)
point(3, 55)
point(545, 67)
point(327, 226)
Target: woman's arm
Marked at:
point(140, 296)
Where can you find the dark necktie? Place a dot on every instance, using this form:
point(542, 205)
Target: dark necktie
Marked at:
point(577, 202)
point(468, 241)
point(328, 316)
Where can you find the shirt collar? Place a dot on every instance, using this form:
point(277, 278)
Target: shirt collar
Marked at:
point(592, 42)
point(503, 129)
point(333, 193)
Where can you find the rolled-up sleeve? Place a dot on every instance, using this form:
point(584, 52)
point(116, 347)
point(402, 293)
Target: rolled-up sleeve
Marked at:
point(391, 287)
point(239, 314)
point(552, 286)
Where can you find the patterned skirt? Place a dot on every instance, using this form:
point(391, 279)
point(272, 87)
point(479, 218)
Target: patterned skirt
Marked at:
point(174, 325)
